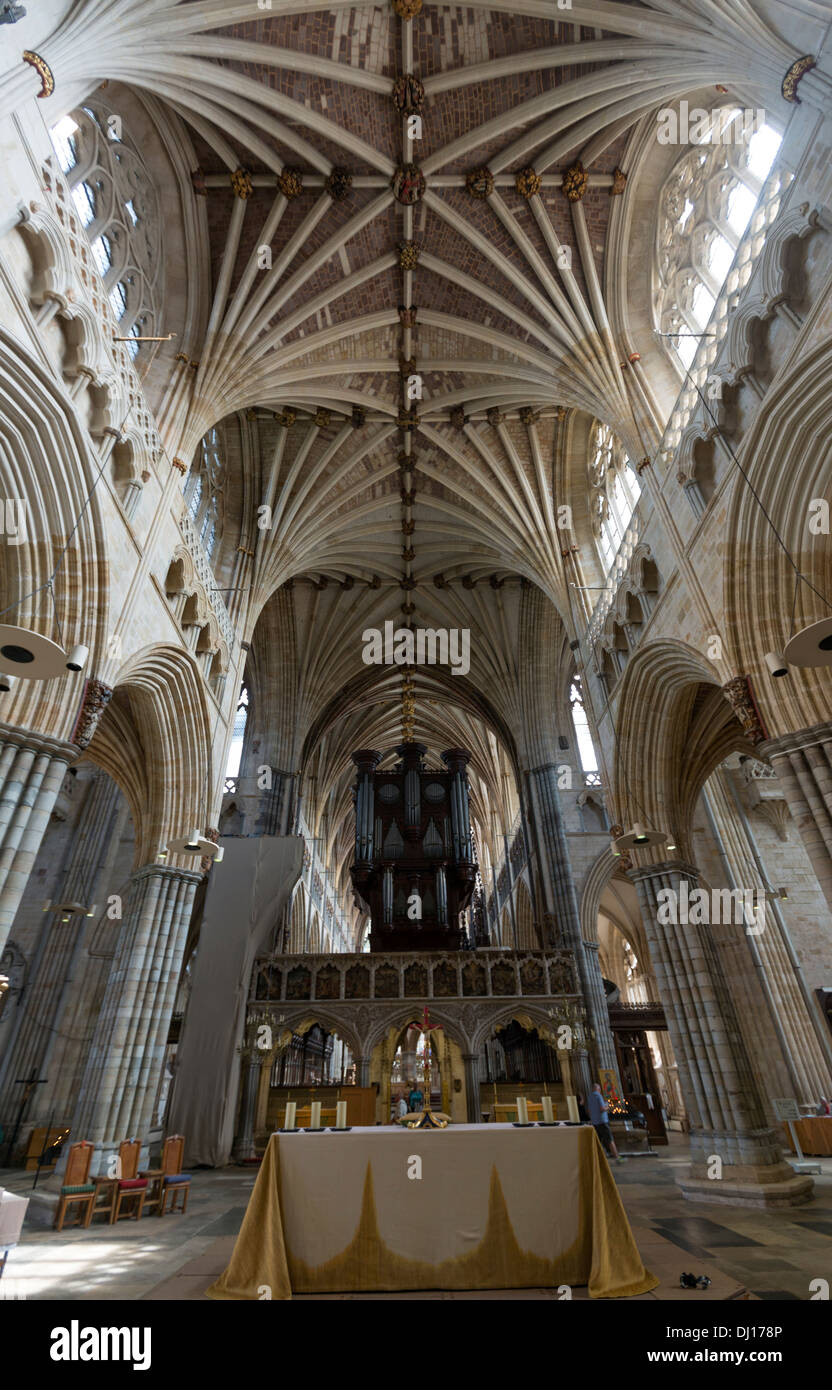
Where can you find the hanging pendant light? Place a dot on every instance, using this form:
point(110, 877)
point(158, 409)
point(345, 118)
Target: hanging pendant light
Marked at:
point(812, 646)
point(69, 909)
point(639, 837)
point(194, 843)
point(35, 657)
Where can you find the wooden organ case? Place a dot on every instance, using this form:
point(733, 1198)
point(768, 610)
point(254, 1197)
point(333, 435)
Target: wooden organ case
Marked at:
point(413, 837)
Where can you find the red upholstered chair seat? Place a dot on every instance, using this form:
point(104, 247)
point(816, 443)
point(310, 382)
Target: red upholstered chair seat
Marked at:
point(128, 1183)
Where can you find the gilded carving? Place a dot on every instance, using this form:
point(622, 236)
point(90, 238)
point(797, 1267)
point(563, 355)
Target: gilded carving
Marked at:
point(480, 183)
point(575, 182)
point(527, 182)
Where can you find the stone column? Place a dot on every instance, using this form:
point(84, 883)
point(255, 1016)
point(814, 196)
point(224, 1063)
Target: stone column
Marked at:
point(562, 903)
point(254, 1054)
point(128, 1047)
point(785, 1033)
point(252, 1064)
point(803, 762)
point(727, 1117)
point(32, 768)
point(472, 1087)
point(33, 1029)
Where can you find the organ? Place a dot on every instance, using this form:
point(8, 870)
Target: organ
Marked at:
point(414, 866)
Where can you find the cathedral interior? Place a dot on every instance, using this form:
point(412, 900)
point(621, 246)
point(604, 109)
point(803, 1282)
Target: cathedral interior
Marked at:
point(415, 689)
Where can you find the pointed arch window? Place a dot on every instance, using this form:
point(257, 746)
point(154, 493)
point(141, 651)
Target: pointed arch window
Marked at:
point(615, 488)
point(705, 207)
point(203, 491)
point(583, 736)
point(238, 733)
point(117, 205)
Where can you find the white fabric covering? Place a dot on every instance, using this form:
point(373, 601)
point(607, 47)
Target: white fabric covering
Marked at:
point(246, 894)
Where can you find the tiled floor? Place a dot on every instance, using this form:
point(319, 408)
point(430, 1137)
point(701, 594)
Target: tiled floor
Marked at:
point(765, 1255)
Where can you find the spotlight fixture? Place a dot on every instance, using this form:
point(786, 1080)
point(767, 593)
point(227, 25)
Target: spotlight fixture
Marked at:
point(812, 646)
point(195, 843)
point(638, 837)
point(777, 663)
point(35, 657)
point(6, 682)
point(76, 658)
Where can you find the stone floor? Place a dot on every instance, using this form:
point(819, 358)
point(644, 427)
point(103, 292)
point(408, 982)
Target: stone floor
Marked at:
point(764, 1255)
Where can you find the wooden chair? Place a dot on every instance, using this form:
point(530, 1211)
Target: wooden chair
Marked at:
point(77, 1188)
point(173, 1179)
point(108, 1187)
point(131, 1188)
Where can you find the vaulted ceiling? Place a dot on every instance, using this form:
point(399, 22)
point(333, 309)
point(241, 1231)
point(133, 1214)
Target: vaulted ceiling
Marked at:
point(427, 193)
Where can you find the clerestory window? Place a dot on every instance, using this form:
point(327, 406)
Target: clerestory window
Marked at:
point(118, 208)
point(583, 737)
point(705, 207)
point(203, 490)
point(615, 490)
point(238, 733)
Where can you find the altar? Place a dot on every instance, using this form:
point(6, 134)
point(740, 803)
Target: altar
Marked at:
point(487, 1206)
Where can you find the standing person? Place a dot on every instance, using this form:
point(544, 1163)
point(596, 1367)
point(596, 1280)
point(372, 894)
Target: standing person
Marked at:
point(402, 1107)
point(599, 1115)
point(415, 1098)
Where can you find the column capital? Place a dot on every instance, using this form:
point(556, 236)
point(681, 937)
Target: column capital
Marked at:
point(795, 741)
point(39, 743)
point(667, 866)
point(543, 767)
point(166, 871)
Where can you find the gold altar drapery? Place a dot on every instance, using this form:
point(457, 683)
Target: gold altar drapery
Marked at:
point(494, 1208)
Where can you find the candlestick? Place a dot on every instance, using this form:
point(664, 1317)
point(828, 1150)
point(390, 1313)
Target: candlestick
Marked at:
point(289, 1117)
point(341, 1114)
point(522, 1110)
point(315, 1115)
point(548, 1113)
point(572, 1109)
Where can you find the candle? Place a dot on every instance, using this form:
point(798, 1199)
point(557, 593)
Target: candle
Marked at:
point(548, 1113)
point(289, 1117)
point(341, 1114)
point(572, 1109)
point(315, 1116)
point(522, 1110)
